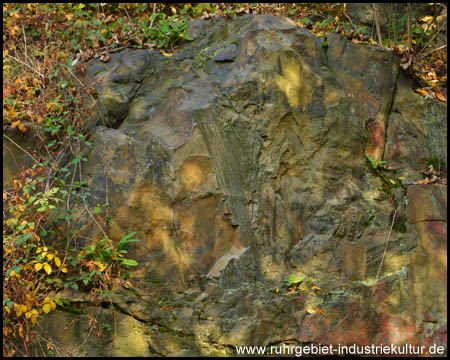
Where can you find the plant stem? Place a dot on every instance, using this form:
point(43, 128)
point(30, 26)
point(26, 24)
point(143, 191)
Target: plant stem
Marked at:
point(377, 24)
point(385, 248)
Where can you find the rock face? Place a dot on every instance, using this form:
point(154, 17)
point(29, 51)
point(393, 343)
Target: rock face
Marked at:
point(241, 160)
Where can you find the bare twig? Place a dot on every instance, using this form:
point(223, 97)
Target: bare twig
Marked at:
point(389, 24)
point(23, 63)
point(348, 17)
point(25, 41)
point(154, 8)
point(409, 33)
point(429, 26)
point(111, 51)
point(432, 51)
point(21, 148)
point(95, 220)
point(52, 344)
point(377, 24)
point(92, 98)
point(395, 26)
point(385, 248)
point(129, 18)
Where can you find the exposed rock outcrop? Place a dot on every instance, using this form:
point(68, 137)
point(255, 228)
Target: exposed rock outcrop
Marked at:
point(241, 160)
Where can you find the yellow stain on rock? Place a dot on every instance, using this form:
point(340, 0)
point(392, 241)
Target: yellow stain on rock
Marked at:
point(193, 172)
point(331, 98)
point(295, 81)
point(186, 237)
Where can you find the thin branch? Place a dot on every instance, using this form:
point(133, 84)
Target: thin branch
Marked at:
point(93, 217)
point(429, 26)
point(385, 248)
point(111, 51)
point(154, 8)
point(389, 24)
point(377, 24)
point(348, 17)
point(23, 63)
point(92, 98)
point(432, 51)
point(25, 41)
point(21, 148)
point(409, 32)
point(129, 18)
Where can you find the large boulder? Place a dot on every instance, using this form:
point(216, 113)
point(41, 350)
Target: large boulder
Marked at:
point(241, 160)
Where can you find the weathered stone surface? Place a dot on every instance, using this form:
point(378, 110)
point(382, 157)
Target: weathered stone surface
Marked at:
point(370, 78)
point(239, 161)
point(417, 131)
point(427, 209)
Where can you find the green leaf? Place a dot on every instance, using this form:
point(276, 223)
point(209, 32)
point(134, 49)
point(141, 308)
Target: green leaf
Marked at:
point(126, 239)
point(305, 20)
point(58, 301)
point(362, 28)
point(187, 37)
point(294, 280)
point(129, 262)
point(19, 240)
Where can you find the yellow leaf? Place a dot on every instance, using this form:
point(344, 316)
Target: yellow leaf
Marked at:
point(28, 314)
point(23, 308)
point(165, 54)
point(22, 127)
point(38, 266)
point(64, 269)
point(16, 184)
point(11, 114)
point(427, 18)
point(38, 250)
point(320, 311)
point(102, 266)
point(21, 331)
point(47, 308)
point(57, 261)
point(53, 305)
point(421, 91)
point(47, 268)
point(18, 312)
point(34, 319)
point(50, 257)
